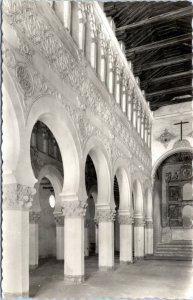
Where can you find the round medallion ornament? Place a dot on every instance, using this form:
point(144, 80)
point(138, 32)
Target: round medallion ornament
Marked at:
point(24, 79)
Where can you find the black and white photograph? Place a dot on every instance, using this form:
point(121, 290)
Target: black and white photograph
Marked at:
point(97, 149)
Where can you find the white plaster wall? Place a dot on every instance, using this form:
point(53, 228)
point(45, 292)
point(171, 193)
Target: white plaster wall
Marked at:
point(164, 118)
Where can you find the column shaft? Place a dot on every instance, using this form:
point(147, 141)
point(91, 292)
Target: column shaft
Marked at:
point(139, 236)
point(33, 245)
point(106, 245)
point(74, 249)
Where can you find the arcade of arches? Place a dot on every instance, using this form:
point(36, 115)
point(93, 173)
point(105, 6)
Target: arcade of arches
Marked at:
point(89, 172)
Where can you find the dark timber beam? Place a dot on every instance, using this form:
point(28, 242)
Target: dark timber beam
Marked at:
point(168, 77)
point(161, 44)
point(170, 91)
point(165, 62)
point(179, 13)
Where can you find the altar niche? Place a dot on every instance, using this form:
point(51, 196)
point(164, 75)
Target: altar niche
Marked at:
point(172, 199)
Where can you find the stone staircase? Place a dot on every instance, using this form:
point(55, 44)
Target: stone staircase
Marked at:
point(179, 250)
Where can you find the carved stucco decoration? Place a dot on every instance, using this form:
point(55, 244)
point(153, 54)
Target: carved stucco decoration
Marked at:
point(31, 84)
point(165, 137)
point(36, 29)
point(34, 217)
point(17, 197)
point(139, 222)
point(74, 208)
point(148, 224)
point(59, 220)
point(105, 215)
point(125, 220)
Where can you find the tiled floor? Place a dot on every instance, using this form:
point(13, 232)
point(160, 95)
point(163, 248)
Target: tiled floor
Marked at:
point(153, 278)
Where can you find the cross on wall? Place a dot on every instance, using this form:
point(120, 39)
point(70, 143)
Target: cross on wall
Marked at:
point(181, 125)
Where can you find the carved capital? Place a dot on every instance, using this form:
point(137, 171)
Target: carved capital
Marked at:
point(125, 220)
point(149, 224)
point(105, 215)
point(74, 208)
point(17, 197)
point(139, 222)
point(34, 217)
point(59, 220)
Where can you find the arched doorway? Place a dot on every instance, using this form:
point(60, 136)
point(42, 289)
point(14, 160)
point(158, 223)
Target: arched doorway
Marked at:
point(98, 192)
point(172, 195)
point(46, 219)
point(124, 213)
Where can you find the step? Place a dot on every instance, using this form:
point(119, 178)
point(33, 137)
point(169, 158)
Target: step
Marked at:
point(174, 249)
point(155, 257)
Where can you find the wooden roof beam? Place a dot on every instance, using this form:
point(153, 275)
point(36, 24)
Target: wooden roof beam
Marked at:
point(170, 91)
point(176, 14)
point(166, 62)
point(169, 77)
point(161, 44)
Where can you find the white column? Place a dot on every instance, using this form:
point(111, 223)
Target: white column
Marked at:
point(17, 199)
point(139, 238)
point(139, 118)
point(74, 212)
point(149, 136)
point(123, 94)
point(98, 53)
point(66, 12)
point(105, 218)
point(75, 22)
point(59, 219)
point(134, 114)
point(96, 239)
point(33, 239)
point(86, 238)
point(149, 237)
point(142, 125)
point(126, 239)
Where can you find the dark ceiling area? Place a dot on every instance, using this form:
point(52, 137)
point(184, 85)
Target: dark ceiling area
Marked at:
point(158, 41)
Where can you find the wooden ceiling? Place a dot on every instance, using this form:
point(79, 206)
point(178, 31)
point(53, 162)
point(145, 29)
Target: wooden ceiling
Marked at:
point(158, 40)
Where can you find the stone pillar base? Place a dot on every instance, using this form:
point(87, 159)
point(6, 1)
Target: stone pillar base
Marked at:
point(125, 263)
point(33, 267)
point(15, 295)
point(106, 269)
point(139, 258)
point(74, 279)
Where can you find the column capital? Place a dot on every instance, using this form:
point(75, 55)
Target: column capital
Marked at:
point(59, 220)
point(148, 224)
point(125, 220)
point(74, 208)
point(17, 196)
point(34, 217)
point(104, 215)
point(139, 222)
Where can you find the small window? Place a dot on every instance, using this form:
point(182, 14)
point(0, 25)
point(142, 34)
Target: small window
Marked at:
point(52, 201)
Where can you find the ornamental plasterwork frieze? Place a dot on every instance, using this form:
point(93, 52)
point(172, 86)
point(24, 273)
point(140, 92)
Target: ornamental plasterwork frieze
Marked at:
point(104, 215)
point(41, 37)
point(125, 220)
point(139, 222)
point(74, 208)
point(31, 84)
point(17, 197)
point(148, 224)
point(59, 220)
point(34, 217)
